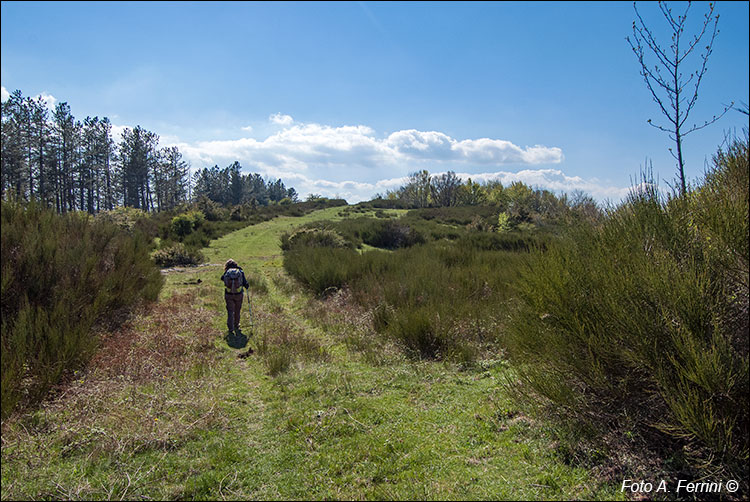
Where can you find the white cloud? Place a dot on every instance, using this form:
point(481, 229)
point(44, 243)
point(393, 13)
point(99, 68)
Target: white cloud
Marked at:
point(247, 128)
point(49, 99)
point(117, 131)
point(279, 118)
point(323, 159)
point(306, 146)
point(438, 146)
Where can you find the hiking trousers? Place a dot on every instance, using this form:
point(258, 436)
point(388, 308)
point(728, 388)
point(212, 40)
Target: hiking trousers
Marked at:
point(234, 308)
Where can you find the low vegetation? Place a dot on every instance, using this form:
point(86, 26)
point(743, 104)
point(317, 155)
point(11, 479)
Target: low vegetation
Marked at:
point(627, 330)
point(519, 345)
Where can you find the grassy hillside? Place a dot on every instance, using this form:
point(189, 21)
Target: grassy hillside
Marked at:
point(323, 409)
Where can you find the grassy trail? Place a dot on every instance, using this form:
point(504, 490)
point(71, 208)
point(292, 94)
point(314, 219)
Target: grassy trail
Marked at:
point(344, 416)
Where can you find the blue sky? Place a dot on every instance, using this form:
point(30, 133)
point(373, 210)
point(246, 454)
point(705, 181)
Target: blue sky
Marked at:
point(348, 98)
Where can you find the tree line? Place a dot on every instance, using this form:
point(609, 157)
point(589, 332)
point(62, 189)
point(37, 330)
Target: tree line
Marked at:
point(72, 165)
point(229, 186)
point(518, 200)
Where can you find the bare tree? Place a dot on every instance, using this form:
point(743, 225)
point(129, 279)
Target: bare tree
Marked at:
point(665, 79)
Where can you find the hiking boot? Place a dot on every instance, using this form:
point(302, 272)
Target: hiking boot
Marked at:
point(246, 354)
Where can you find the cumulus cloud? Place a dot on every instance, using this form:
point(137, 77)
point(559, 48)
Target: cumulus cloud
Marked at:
point(48, 98)
point(323, 159)
point(438, 146)
point(280, 119)
point(301, 146)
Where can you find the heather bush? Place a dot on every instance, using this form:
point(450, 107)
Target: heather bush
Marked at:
point(61, 275)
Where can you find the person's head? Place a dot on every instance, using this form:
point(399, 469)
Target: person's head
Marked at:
point(230, 264)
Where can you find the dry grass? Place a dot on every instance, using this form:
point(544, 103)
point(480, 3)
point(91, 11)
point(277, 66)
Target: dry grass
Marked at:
point(169, 337)
point(143, 390)
point(282, 341)
point(352, 324)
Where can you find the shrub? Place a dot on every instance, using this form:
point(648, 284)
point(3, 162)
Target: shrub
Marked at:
point(391, 234)
point(503, 222)
point(313, 237)
point(124, 217)
point(322, 268)
point(177, 255)
point(61, 275)
point(635, 324)
point(183, 224)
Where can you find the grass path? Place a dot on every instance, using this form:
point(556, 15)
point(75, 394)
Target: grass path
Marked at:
point(174, 414)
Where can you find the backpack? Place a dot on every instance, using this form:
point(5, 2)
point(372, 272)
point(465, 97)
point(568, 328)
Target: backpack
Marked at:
point(233, 280)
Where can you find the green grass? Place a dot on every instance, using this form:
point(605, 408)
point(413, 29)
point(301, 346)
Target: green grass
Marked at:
point(346, 416)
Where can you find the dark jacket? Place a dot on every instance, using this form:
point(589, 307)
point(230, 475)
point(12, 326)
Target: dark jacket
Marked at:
point(245, 284)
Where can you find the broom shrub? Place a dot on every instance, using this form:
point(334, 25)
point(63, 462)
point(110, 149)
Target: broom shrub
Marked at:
point(61, 275)
point(640, 324)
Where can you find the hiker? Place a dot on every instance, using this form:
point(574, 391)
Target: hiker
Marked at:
point(234, 282)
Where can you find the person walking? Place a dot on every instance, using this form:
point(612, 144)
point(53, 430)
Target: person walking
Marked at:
point(234, 285)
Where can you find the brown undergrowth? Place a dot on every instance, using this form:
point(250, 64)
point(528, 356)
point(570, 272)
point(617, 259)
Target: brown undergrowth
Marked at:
point(352, 324)
point(169, 337)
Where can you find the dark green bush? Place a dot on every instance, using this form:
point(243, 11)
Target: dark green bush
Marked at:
point(62, 274)
point(183, 224)
point(177, 255)
point(378, 232)
point(392, 234)
point(322, 268)
point(640, 324)
point(313, 237)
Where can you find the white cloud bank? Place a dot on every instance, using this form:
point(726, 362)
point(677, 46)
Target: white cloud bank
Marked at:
point(302, 146)
point(322, 159)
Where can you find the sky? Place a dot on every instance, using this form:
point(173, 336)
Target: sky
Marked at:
point(347, 99)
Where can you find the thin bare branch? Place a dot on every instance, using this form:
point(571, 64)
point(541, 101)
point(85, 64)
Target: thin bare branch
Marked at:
point(708, 122)
point(668, 89)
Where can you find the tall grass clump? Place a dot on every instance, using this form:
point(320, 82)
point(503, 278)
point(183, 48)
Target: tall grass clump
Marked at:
point(62, 274)
point(638, 326)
